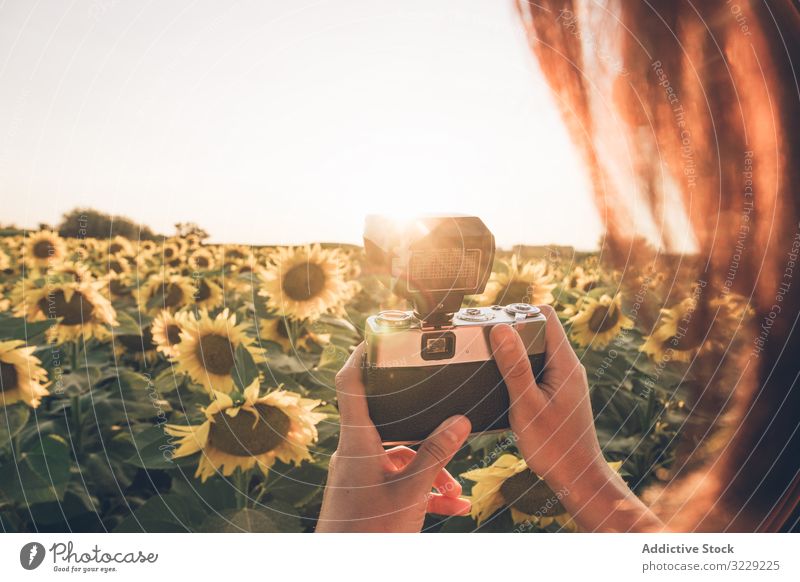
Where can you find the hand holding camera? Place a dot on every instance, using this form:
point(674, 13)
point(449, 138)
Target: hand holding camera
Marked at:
point(372, 489)
point(541, 394)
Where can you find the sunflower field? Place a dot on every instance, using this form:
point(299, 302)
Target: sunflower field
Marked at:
point(182, 386)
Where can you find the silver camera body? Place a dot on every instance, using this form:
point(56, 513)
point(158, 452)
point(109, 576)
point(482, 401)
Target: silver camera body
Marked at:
point(416, 376)
point(425, 365)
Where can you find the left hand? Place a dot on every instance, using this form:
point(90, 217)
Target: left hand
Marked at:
point(372, 489)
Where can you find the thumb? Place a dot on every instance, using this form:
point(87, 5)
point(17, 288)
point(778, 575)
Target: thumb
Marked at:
point(437, 450)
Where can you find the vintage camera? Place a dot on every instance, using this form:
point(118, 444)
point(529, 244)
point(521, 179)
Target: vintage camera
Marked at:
point(425, 365)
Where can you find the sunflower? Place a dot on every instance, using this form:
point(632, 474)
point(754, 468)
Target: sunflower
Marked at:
point(171, 253)
point(5, 260)
point(117, 287)
point(598, 321)
point(279, 425)
point(70, 271)
point(683, 332)
point(139, 346)
point(82, 310)
point(304, 283)
point(81, 250)
point(166, 331)
point(508, 482)
point(43, 248)
point(208, 347)
point(5, 302)
point(120, 244)
point(21, 376)
point(526, 283)
point(119, 264)
point(147, 247)
point(275, 330)
point(208, 294)
point(166, 291)
point(582, 280)
point(202, 259)
point(192, 240)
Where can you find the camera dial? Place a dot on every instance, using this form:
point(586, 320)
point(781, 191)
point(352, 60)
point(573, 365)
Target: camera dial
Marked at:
point(525, 309)
point(475, 314)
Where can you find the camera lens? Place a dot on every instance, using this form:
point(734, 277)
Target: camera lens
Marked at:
point(394, 318)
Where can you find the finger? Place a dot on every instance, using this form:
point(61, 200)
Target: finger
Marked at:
point(350, 392)
point(512, 360)
point(444, 482)
point(351, 397)
point(400, 457)
point(442, 505)
point(437, 450)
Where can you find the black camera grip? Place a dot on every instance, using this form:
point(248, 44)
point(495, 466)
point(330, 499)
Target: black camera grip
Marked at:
point(407, 404)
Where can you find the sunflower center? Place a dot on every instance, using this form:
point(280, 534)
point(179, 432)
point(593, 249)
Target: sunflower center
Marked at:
point(201, 262)
point(603, 318)
point(304, 281)
point(515, 292)
point(77, 310)
point(529, 494)
point(216, 353)
point(203, 291)
point(173, 334)
point(114, 248)
point(116, 266)
point(8, 377)
point(43, 249)
point(173, 295)
point(239, 436)
point(135, 343)
point(589, 285)
point(117, 287)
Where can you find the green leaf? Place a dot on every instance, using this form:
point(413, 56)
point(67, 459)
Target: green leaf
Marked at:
point(12, 421)
point(127, 325)
point(131, 385)
point(245, 371)
point(168, 381)
point(153, 449)
point(164, 514)
point(296, 485)
point(44, 472)
point(17, 328)
point(333, 357)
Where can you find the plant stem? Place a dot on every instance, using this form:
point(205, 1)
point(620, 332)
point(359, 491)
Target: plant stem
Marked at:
point(75, 404)
point(241, 483)
point(74, 357)
point(293, 331)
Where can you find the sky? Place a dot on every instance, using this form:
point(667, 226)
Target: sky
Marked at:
point(284, 122)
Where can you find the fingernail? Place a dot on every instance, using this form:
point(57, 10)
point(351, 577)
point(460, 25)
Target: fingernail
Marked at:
point(457, 428)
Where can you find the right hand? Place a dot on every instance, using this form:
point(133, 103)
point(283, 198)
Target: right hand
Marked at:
point(552, 419)
point(554, 426)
